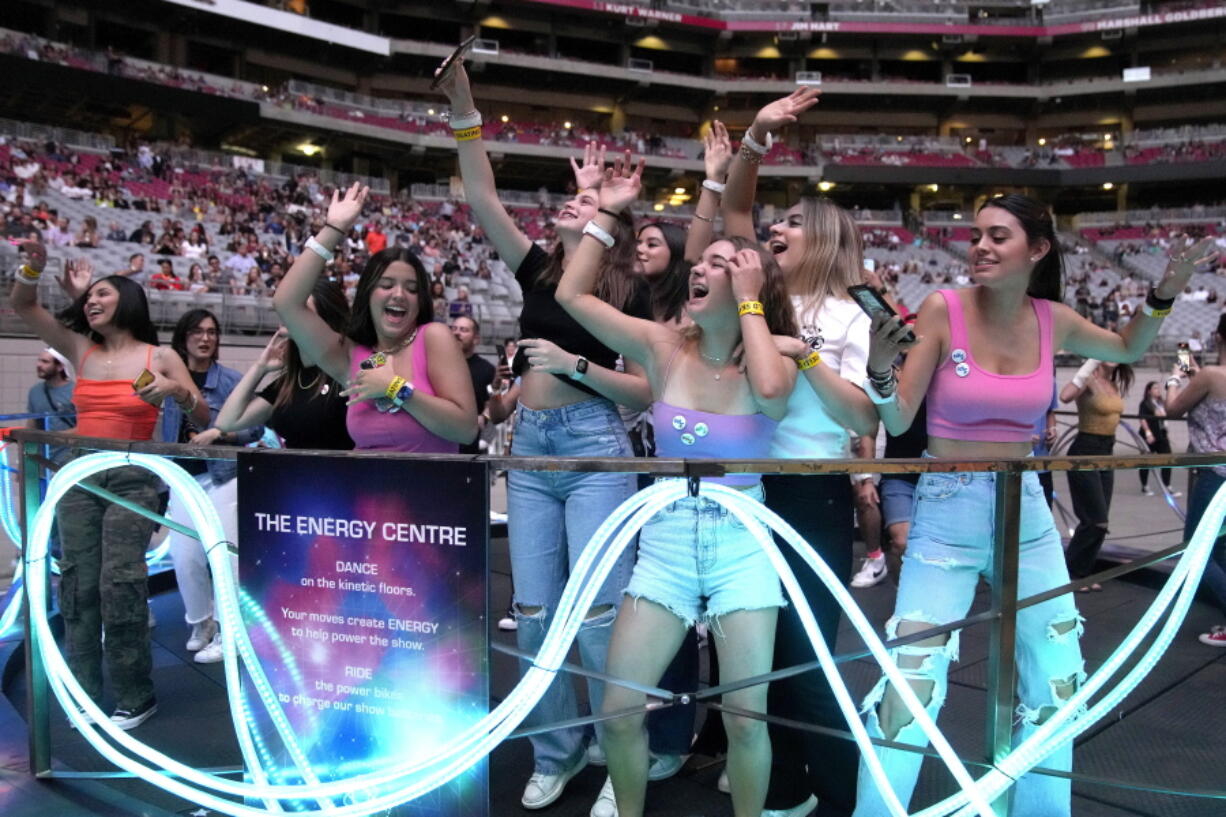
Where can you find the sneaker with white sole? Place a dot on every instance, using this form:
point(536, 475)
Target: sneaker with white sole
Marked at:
point(803, 810)
point(606, 803)
point(212, 652)
point(132, 718)
point(202, 634)
point(870, 573)
point(544, 789)
point(1215, 637)
point(722, 784)
point(665, 766)
point(595, 755)
point(508, 624)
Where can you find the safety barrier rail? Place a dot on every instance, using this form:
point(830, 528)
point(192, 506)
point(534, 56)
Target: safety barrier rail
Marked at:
point(1001, 617)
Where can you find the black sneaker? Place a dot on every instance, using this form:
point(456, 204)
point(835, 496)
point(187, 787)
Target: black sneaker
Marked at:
point(132, 718)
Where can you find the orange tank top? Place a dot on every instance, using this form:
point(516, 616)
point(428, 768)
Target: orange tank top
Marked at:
point(109, 408)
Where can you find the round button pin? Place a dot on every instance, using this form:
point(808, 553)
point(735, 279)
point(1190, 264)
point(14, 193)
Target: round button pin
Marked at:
point(958, 355)
point(687, 438)
point(962, 370)
point(701, 429)
point(679, 422)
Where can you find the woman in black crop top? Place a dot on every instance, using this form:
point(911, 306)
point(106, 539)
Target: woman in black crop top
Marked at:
point(989, 331)
point(303, 405)
point(567, 398)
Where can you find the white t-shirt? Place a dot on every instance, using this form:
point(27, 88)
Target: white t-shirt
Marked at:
point(838, 329)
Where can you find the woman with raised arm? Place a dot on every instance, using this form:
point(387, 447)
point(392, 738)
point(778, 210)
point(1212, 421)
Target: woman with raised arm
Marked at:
point(695, 561)
point(122, 378)
point(985, 362)
point(302, 405)
point(818, 246)
point(1203, 400)
point(408, 386)
point(568, 398)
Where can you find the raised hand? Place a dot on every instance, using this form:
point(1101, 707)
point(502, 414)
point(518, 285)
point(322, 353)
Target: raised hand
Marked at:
point(272, 359)
point(455, 85)
point(1185, 257)
point(887, 337)
point(717, 151)
point(590, 173)
point(746, 275)
point(622, 183)
point(344, 211)
point(76, 277)
point(36, 254)
point(786, 110)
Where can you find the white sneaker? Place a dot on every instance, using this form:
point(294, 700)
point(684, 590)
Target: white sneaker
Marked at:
point(803, 810)
point(1177, 494)
point(870, 573)
point(665, 766)
point(595, 755)
point(606, 803)
point(1147, 492)
point(211, 653)
point(508, 624)
point(202, 634)
point(543, 789)
point(722, 784)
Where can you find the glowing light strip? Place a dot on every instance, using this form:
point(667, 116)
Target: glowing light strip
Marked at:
point(415, 778)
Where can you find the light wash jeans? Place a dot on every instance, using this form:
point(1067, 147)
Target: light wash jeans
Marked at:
point(949, 548)
point(550, 518)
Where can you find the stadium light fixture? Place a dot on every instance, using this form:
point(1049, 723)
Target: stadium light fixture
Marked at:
point(307, 149)
point(658, 207)
point(1108, 186)
point(934, 188)
point(678, 191)
point(566, 124)
point(825, 187)
point(1042, 141)
point(504, 118)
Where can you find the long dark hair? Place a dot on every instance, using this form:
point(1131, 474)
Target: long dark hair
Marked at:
point(361, 327)
point(131, 313)
point(615, 282)
point(669, 289)
point(1147, 405)
point(333, 309)
point(188, 322)
point(1047, 277)
point(1122, 376)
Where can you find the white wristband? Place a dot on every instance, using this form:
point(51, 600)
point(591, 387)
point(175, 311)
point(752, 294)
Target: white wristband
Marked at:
point(319, 249)
point(748, 141)
point(599, 233)
point(714, 186)
point(471, 119)
point(1085, 373)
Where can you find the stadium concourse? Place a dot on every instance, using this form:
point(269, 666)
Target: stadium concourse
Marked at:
point(197, 144)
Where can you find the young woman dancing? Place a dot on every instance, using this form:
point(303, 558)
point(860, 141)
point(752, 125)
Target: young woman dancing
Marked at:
point(818, 247)
point(409, 388)
point(984, 360)
point(109, 337)
point(695, 562)
point(568, 397)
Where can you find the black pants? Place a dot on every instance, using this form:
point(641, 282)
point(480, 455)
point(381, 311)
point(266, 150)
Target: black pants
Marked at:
point(1091, 495)
point(1160, 445)
point(804, 763)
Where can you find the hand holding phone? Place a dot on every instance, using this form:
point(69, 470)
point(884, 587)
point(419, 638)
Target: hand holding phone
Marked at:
point(142, 380)
point(461, 50)
point(1184, 356)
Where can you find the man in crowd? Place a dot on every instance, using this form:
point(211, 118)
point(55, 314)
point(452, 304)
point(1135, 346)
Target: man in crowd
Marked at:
point(136, 269)
point(238, 266)
point(52, 395)
point(468, 332)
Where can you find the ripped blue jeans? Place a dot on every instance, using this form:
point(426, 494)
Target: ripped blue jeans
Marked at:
point(948, 549)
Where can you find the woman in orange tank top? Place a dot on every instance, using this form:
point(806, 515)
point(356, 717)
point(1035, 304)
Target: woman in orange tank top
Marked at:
point(107, 334)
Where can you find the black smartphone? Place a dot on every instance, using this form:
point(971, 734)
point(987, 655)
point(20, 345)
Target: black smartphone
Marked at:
point(872, 303)
point(502, 357)
point(1184, 356)
point(461, 50)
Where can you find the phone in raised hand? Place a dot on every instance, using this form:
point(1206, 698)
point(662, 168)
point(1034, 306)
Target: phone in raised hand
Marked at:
point(461, 50)
point(873, 304)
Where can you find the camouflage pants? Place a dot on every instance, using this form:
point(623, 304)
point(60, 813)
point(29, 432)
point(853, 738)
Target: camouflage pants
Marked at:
point(103, 584)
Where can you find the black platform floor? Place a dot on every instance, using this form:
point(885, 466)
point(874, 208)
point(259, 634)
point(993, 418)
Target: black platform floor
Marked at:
point(1170, 731)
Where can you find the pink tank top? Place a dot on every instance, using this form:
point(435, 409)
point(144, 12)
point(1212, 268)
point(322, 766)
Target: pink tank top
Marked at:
point(967, 403)
point(373, 430)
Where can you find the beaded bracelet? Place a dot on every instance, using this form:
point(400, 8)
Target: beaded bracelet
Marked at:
point(808, 361)
point(750, 308)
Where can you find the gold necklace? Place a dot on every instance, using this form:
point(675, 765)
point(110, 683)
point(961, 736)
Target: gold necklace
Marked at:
point(400, 346)
point(309, 386)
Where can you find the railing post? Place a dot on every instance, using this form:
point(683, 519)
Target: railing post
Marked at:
point(1002, 634)
point(38, 692)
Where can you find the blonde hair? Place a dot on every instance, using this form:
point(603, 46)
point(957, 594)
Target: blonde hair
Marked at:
point(833, 258)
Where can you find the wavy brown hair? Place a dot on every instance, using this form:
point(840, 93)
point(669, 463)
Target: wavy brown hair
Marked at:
point(616, 282)
point(780, 316)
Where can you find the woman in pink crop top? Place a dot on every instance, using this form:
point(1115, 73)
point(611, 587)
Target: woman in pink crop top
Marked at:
point(984, 360)
point(693, 551)
point(392, 341)
point(111, 340)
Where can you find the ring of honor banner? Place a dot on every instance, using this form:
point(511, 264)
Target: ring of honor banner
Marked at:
point(364, 587)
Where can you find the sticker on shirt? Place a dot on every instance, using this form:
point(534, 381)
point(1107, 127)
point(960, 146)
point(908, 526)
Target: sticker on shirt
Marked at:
point(812, 336)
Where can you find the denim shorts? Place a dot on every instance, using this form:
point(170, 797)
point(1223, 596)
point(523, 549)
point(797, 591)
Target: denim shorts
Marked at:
point(699, 562)
point(897, 500)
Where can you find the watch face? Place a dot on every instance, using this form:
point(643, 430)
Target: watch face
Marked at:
point(581, 365)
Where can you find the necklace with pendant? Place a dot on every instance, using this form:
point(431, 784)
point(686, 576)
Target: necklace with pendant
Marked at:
point(718, 361)
point(399, 346)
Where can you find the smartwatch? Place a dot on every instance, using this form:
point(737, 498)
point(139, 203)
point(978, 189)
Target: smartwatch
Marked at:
point(580, 369)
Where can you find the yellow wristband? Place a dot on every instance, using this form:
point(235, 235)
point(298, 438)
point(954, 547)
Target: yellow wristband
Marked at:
point(750, 308)
point(468, 134)
point(28, 275)
point(393, 388)
point(808, 361)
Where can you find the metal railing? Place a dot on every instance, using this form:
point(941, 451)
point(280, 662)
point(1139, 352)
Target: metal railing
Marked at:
point(1000, 617)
